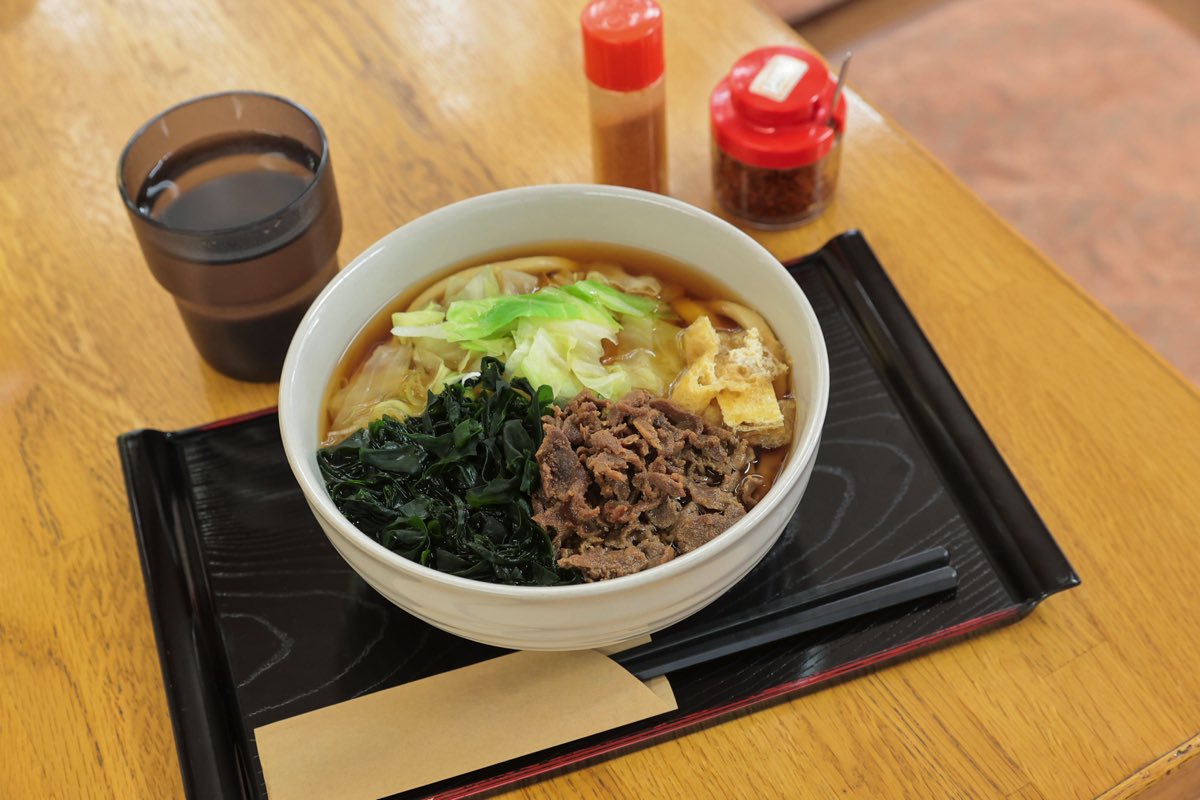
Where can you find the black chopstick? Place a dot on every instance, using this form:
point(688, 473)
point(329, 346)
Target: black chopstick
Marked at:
point(903, 567)
point(902, 581)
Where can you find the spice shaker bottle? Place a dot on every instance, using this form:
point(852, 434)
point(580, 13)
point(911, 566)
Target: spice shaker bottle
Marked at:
point(776, 137)
point(623, 60)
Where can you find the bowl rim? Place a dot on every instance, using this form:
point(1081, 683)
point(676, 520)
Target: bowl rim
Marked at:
point(804, 444)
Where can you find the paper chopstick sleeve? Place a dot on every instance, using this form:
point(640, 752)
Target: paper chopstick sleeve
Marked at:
point(449, 724)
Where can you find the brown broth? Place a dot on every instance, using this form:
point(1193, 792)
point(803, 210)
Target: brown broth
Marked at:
point(767, 463)
point(673, 274)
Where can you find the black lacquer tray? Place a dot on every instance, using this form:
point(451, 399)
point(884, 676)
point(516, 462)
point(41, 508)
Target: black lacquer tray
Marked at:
point(258, 619)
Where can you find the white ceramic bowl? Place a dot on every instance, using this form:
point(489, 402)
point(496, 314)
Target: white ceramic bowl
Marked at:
point(556, 617)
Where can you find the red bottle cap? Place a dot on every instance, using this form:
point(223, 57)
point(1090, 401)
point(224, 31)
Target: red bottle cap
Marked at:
point(622, 43)
point(773, 109)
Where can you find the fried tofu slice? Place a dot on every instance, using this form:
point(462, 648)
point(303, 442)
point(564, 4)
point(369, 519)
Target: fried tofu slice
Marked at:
point(747, 396)
point(697, 386)
point(770, 438)
point(743, 365)
point(700, 341)
point(738, 372)
point(751, 407)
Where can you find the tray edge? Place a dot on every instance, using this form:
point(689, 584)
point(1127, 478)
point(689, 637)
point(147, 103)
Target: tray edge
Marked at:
point(908, 360)
point(203, 740)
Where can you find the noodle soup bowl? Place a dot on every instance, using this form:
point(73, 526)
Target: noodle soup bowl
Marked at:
point(582, 615)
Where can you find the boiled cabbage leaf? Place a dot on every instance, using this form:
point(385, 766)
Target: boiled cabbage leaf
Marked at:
point(554, 336)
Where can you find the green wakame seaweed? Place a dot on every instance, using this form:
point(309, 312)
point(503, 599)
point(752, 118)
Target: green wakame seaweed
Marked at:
point(450, 488)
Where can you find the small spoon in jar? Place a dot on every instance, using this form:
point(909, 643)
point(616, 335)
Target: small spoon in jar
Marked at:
point(837, 91)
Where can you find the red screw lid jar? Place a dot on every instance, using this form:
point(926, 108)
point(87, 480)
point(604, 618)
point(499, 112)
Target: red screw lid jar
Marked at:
point(776, 137)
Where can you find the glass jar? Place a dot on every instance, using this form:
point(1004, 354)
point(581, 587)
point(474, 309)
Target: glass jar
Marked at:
point(776, 138)
point(623, 59)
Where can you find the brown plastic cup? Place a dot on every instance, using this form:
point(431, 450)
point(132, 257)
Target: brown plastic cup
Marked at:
point(233, 202)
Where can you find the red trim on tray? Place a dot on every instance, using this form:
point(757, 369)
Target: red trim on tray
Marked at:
point(224, 423)
point(604, 748)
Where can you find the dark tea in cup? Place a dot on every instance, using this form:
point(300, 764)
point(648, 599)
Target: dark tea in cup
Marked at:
point(233, 202)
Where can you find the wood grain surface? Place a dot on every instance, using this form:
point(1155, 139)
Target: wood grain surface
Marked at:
point(429, 102)
point(1172, 776)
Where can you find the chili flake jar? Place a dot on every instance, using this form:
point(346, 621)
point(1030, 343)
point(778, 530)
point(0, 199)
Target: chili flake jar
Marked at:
point(776, 138)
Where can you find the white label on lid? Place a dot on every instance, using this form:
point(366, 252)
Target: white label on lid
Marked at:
point(778, 77)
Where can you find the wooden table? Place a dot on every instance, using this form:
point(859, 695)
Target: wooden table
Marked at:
point(429, 102)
